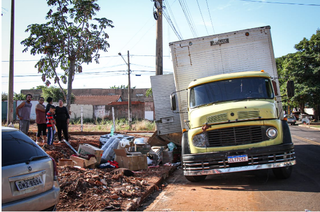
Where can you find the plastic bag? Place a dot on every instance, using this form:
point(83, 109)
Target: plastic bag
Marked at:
point(109, 154)
point(171, 146)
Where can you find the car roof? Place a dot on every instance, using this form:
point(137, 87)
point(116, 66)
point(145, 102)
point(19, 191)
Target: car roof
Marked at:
point(8, 129)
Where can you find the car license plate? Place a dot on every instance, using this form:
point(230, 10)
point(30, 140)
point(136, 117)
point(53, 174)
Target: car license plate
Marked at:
point(28, 183)
point(237, 158)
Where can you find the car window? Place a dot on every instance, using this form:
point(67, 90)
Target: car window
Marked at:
point(18, 148)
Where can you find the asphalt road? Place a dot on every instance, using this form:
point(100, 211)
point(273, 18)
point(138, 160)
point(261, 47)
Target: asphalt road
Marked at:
point(254, 191)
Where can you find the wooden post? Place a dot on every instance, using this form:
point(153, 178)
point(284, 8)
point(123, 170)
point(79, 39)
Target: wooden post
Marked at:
point(159, 41)
point(11, 70)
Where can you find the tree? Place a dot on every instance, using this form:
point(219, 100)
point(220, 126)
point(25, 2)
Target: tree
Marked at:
point(55, 93)
point(15, 97)
point(69, 39)
point(121, 87)
point(303, 67)
point(19, 96)
point(149, 92)
point(4, 96)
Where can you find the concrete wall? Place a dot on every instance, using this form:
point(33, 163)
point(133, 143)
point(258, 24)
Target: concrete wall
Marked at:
point(137, 94)
point(76, 111)
point(121, 111)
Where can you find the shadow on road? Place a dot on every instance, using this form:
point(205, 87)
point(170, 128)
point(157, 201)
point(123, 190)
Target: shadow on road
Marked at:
point(305, 176)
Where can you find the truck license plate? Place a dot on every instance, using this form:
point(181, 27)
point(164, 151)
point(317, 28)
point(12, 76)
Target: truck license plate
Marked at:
point(237, 158)
point(28, 183)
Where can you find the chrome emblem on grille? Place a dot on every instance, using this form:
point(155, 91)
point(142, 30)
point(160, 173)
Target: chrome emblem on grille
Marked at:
point(29, 168)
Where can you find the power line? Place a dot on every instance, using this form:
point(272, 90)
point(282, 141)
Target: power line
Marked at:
point(174, 26)
point(187, 15)
point(210, 16)
point(135, 35)
point(131, 55)
point(202, 17)
point(143, 36)
point(287, 3)
point(167, 17)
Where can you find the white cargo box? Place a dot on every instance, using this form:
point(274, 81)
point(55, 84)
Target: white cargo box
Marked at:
point(238, 51)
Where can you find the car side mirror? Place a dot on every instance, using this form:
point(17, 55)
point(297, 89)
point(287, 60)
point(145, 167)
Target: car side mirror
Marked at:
point(275, 88)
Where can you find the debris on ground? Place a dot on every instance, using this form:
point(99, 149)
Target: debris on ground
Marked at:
point(93, 188)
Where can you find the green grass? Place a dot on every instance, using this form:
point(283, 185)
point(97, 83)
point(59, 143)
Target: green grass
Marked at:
point(121, 125)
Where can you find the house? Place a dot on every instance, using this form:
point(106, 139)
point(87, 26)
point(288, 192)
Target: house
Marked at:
point(98, 103)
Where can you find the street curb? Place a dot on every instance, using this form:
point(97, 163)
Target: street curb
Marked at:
point(155, 187)
point(308, 126)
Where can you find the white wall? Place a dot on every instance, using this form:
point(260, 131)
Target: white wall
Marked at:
point(148, 115)
point(76, 111)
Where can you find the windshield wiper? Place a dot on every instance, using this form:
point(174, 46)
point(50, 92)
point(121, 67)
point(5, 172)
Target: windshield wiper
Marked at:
point(36, 158)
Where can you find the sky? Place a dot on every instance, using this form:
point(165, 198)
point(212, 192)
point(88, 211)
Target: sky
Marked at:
point(135, 31)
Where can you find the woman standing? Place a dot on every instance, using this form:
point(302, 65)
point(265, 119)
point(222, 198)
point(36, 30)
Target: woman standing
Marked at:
point(62, 120)
point(41, 120)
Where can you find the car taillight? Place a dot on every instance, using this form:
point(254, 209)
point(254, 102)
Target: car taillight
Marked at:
point(55, 170)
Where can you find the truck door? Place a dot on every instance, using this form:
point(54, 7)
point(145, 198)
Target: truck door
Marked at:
point(167, 121)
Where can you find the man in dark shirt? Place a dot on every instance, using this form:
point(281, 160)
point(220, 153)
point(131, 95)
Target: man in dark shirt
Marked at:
point(50, 101)
point(62, 120)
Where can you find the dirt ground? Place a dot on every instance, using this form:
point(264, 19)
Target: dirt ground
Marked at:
point(84, 189)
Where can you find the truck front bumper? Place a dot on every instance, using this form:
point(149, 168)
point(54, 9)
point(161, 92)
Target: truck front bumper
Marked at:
point(258, 158)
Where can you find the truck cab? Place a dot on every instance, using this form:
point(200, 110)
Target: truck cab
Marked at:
point(225, 102)
point(234, 125)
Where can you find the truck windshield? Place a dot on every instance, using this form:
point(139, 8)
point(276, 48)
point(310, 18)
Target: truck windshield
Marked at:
point(231, 90)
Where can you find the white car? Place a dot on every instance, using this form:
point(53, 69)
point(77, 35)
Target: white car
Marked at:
point(29, 174)
point(291, 119)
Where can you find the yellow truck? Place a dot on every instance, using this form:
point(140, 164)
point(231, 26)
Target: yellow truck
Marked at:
point(225, 99)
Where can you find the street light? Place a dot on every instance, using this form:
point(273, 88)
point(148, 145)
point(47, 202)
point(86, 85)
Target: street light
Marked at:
point(129, 95)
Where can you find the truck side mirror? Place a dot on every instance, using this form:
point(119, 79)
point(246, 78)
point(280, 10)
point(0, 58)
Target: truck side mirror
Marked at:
point(275, 88)
point(290, 89)
point(173, 102)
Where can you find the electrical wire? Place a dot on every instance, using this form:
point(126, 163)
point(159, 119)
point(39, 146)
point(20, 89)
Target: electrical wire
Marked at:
point(174, 26)
point(135, 35)
point(210, 16)
point(287, 3)
point(167, 17)
point(187, 15)
point(143, 36)
point(204, 23)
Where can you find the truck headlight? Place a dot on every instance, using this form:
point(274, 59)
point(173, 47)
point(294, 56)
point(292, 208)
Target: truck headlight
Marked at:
point(201, 140)
point(272, 132)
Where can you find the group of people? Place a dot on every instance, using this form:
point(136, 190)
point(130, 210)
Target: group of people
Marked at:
point(48, 117)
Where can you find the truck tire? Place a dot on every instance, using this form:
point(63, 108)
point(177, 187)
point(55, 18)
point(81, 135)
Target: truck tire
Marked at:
point(282, 173)
point(286, 133)
point(185, 144)
point(196, 178)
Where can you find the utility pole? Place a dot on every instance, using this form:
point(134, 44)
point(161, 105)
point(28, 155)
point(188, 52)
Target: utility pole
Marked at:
point(129, 86)
point(129, 94)
point(11, 69)
point(159, 45)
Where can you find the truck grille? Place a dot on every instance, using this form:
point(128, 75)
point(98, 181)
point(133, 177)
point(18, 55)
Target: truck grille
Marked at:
point(236, 136)
point(222, 161)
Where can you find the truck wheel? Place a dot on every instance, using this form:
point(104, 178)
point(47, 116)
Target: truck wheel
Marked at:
point(196, 178)
point(282, 173)
point(185, 144)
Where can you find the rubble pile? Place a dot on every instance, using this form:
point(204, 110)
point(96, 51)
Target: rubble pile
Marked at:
point(92, 188)
point(106, 189)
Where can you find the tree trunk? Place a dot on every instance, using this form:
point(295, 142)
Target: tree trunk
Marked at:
point(316, 112)
point(70, 81)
